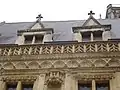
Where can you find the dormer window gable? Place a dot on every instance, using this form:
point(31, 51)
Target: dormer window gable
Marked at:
point(91, 30)
point(36, 34)
point(38, 24)
point(91, 21)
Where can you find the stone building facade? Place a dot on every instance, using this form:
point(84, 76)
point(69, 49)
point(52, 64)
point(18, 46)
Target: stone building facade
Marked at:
point(61, 55)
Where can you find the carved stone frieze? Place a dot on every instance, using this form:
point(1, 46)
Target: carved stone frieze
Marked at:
point(68, 63)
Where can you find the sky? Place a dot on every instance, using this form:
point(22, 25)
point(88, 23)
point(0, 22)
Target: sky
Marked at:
point(52, 10)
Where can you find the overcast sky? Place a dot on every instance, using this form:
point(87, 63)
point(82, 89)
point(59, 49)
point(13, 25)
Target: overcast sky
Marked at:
point(51, 10)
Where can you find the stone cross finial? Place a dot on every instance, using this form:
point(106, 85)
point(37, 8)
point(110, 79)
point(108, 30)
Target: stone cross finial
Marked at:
point(91, 13)
point(39, 17)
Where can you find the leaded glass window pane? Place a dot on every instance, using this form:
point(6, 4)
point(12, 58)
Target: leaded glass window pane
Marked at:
point(102, 86)
point(84, 86)
point(27, 87)
point(86, 36)
point(11, 87)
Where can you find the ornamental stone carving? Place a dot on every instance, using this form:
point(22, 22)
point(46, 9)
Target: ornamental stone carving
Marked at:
point(59, 64)
point(33, 65)
point(46, 64)
point(54, 77)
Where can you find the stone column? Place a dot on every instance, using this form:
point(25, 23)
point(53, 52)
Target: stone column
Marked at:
point(93, 85)
point(68, 84)
point(19, 86)
point(40, 82)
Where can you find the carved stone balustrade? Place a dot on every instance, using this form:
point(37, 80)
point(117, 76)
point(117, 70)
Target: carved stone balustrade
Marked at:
point(36, 49)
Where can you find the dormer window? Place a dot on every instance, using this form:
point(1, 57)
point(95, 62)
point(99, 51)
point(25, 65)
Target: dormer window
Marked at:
point(39, 38)
point(97, 35)
point(91, 30)
point(34, 39)
point(28, 39)
point(86, 36)
point(36, 34)
point(91, 36)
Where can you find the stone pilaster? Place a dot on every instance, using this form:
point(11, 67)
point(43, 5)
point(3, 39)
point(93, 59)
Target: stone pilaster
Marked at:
point(93, 85)
point(117, 80)
point(111, 84)
point(45, 87)
point(40, 82)
point(106, 35)
point(74, 84)
point(34, 85)
point(4, 86)
point(77, 36)
point(1, 83)
point(20, 40)
point(19, 85)
point(47, 38)
point(68, 85)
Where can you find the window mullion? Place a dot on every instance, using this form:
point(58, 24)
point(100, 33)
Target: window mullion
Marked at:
point(33, 40)
point(92, 37)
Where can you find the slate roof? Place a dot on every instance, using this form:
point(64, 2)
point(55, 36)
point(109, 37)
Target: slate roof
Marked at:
point(62, 29)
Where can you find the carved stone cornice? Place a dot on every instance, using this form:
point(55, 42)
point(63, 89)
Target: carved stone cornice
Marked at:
point(95, 76)
point(70, 70)
point(16, 78)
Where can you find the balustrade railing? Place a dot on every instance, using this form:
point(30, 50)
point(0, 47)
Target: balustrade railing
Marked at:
point(83, 47)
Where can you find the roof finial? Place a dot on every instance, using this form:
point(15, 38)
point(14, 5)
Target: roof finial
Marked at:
point(39, 17)
point(100, 16)
point(91, 13)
